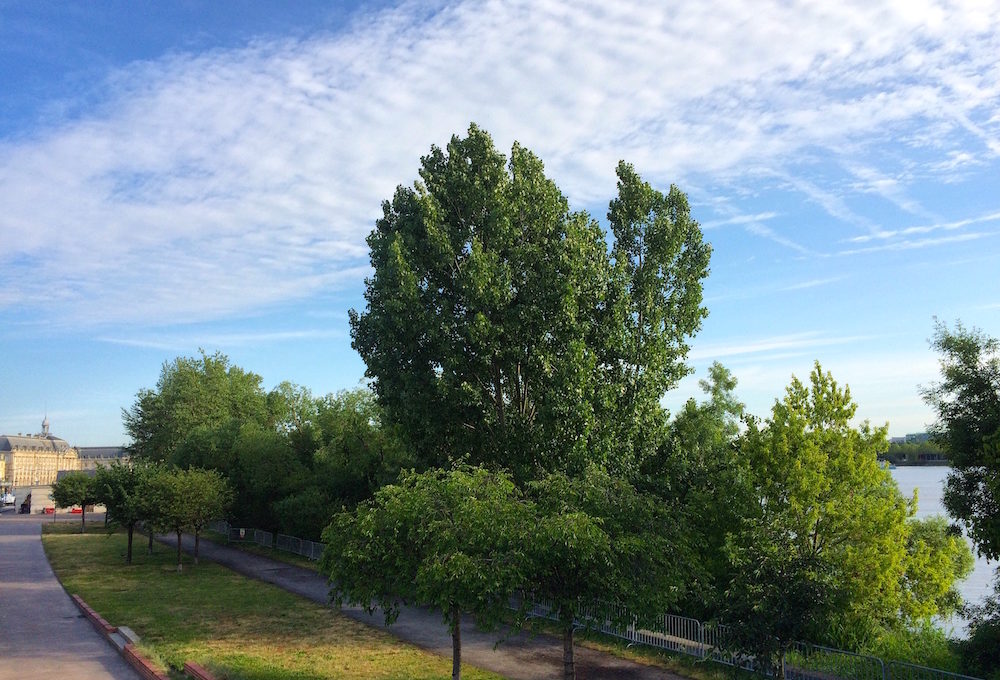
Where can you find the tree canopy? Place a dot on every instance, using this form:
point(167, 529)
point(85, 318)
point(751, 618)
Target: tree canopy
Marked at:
point(187, 500)
point(840, 517)
point(123, 488)
point(192, 392)
point(967, 402)
point(451, 539)
point(499, 328)
point(598, 544)
point(75, 488)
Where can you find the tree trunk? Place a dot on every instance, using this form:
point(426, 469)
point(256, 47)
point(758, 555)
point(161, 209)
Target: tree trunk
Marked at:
point(149, 548)
point(456, 645)
point(128, 553)
point(197, 536)
point(178, 550)
point(83, 519)
point(569, 667)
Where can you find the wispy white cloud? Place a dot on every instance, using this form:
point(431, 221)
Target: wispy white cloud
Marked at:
point(184, 342)
point(812, 283)
point(832, 202)
point(739, 220)
point(746, 292)
point(780, 343)
point(916, 244)
point(886, 234)
point(871, 180)
point(212, 184)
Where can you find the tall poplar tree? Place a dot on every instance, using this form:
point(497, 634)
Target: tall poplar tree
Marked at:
point(499, 328)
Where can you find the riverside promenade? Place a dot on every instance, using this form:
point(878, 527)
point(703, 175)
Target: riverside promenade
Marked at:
point(521, 656)
point(42, 633)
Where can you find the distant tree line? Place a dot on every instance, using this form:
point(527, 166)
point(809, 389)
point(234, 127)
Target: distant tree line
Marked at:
point(513, 441)
point(927, 451)
point(292, 459)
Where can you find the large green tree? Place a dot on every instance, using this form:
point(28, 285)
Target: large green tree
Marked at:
point(192, 392)
point(359, 450)
point(967, 402)
point(499, 328)
point(699, 471)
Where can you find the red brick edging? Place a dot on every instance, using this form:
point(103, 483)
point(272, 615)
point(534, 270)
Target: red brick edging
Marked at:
point(139, 662)
point(197, 672)
point(142, 664)
point(102, 626)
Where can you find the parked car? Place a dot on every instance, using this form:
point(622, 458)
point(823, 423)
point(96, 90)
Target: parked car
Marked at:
point(7, 499)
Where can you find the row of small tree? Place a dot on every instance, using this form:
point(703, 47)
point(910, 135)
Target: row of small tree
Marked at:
point(468, 540)
point(159, 497)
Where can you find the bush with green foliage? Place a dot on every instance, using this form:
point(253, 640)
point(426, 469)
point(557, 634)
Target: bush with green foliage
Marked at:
point(840, 519)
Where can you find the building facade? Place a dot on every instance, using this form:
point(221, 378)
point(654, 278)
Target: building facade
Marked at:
point(36, 459)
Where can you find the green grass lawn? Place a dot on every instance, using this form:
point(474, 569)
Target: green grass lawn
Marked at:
point(234, 626)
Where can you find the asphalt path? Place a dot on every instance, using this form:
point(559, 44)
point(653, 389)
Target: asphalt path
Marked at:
point(42, 633)
point(520, 656)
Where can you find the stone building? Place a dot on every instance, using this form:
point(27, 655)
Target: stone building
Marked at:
point(36, 459)
point(92, 457)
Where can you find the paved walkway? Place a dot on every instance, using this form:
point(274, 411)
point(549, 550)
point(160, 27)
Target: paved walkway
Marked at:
point(42, 633)
point(520, 657)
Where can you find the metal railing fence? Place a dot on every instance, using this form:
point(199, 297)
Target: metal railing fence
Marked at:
point(312, 550)
point(669, 632)
point(804, 661)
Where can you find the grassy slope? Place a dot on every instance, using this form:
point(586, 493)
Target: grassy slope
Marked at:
point(234, 626)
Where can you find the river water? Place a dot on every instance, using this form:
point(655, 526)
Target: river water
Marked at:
point(929, 483)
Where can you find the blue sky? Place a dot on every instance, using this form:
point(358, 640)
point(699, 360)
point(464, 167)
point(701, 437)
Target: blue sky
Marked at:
point(198, 174)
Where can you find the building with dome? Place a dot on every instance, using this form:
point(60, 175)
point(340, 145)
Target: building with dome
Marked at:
point(36, 459)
